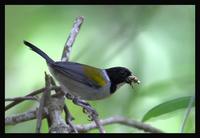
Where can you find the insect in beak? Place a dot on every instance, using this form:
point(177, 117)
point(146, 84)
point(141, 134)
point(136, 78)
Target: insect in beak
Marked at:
point(133, 79)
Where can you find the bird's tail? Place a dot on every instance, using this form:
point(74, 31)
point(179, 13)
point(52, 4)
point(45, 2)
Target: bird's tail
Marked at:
point(38, 51)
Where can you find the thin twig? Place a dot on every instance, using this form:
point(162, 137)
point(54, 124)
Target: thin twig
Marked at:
point(39, 114)
point(22, 98)
point(69, 118)
point(187, 113)
point(120, 120)
point(30, 94)
point(71, 38)
point(99, 125)
point(44, 97)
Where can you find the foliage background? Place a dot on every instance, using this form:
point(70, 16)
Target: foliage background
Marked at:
point(156, 42)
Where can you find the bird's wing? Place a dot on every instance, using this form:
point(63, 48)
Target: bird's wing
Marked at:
point(90, 76)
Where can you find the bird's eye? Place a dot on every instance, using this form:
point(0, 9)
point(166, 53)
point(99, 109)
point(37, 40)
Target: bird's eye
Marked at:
point(123, 73)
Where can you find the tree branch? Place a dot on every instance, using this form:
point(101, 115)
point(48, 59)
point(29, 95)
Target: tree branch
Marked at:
point(71, 38)
point(55, 108)
point(120, 120)
point(30, 115)
point(45, 97)
point(22, 117)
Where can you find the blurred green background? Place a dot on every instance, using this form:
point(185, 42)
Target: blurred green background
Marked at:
point(156, 42)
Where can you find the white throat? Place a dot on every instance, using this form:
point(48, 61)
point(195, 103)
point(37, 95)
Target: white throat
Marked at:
point(120, 84)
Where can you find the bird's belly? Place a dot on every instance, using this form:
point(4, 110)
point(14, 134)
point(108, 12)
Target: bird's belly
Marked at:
point(85, 92)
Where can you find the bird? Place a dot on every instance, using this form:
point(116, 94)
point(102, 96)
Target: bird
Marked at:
point(84, 81)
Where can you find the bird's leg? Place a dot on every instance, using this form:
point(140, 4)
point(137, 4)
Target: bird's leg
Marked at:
point(86, 106)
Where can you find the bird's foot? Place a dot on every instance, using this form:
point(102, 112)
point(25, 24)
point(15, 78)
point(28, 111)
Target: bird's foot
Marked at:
point(87, 108)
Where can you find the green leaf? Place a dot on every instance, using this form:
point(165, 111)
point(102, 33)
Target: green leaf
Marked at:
point(167, 107)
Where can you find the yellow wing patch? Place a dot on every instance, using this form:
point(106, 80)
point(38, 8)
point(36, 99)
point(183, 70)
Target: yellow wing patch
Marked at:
point(95, 75)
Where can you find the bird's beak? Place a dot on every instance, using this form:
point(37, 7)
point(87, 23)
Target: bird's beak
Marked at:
point(133, 79)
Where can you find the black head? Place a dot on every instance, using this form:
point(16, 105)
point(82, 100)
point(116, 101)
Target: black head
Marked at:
point(118, 75)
